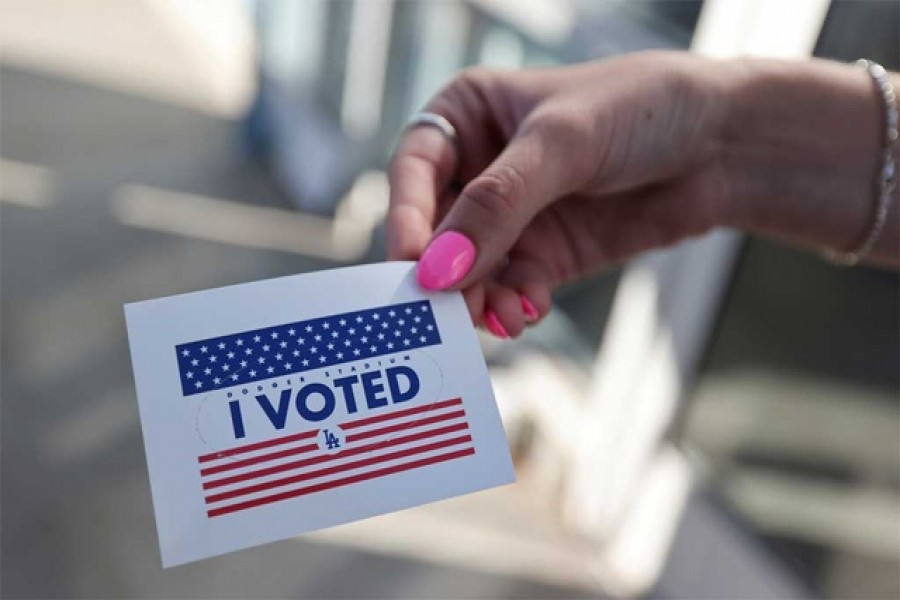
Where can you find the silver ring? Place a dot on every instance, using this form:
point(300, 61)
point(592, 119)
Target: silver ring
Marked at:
point(433, 120)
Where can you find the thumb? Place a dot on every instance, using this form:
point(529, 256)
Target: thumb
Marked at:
point(491, 212)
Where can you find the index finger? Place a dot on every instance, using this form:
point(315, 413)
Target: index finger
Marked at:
point(421, 169)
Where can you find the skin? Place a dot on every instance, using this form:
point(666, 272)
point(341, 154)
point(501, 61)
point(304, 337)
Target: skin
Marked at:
point(560, 173)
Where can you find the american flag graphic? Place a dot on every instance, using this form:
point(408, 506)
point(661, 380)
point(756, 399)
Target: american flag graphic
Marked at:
point(331, 457)
point(249, 356)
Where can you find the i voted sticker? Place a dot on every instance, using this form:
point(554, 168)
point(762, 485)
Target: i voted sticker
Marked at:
point(279, 407)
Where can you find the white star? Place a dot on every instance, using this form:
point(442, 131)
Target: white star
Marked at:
point(331, 346)
point(417, 319)
point(422, 338)
point(408, 310)
point(325, 325)
point(207, 370)
point(424, 308)
point(356, 351)
point(322, 358)
point(375, 316)
point(308, 328)
point(189, 375)
point(278, 356)
point(287, 366)
point(248, 351)
point(266, 348)
point(274, 335)
point(261, 359)
point(292, 331)
point(195, 362)
point(185, 352)
point(296, 353)
point(318, 338)
point(406, 342)
point(380, 336)
point(239, 342)
point(368, 328)
point(300, 341)
point(429, 327)
point(364, 339)
point(221, 345)
point(314, 350)
point(226, 368)
point(234, 377)
point(390, 345)
point(231, 355)
point(401, 322)
point(392, 313)
point(359, 319)
point(352, 331)
point(413, 330)
point(213, 359)
point(202, 349)
point(283, 344)
point(243, 363)
point(347, 343)
point(342, 322)
point(305, 363)
point(256, 338)
point(334, 334)
point(199, 384)
point(384, 324)
point(252, 373)
point(217, 381)
point(373, 348)
point(270, 369)
point(340, 355)
point(396, 333)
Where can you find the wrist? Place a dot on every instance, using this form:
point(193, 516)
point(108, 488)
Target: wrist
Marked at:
point(800, 145)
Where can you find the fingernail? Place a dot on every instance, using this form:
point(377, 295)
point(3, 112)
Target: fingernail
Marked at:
point(445, 261)
point(531, 313)
point(494, 326)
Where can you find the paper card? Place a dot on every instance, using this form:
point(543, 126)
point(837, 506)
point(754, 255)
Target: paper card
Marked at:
point(274, 408)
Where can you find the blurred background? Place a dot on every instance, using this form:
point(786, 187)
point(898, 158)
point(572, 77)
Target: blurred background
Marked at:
point(720, 420)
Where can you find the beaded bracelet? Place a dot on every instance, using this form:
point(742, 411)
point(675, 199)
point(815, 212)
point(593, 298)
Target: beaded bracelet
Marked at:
point(887, 178)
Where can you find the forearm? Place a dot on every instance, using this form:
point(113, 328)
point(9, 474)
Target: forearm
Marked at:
point(801, 150)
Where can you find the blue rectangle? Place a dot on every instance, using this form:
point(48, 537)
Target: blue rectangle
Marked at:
point(248, 356)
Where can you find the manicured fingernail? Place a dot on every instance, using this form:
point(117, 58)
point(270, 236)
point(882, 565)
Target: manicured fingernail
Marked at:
point(445, 261)
point(530, 311)
point(494, 326)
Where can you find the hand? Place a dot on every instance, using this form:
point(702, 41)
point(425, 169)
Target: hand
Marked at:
point(563, 172)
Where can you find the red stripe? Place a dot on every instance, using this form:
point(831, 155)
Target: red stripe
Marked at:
point(255, 460)
point(306, 462)
point(366, 462)
point(311, 434)
point(319, 487)
point(258, 446)
point(406, 425)
point(258, 459)
point(400, 413)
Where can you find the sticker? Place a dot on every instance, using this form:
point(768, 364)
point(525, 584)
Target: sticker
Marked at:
point(279, 407)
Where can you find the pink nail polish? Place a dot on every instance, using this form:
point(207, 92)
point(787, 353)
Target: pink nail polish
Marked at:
point(445, 261)
point(531, 312)
point(494, 326)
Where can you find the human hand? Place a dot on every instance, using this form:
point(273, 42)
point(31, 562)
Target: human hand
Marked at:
point(562, 172)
